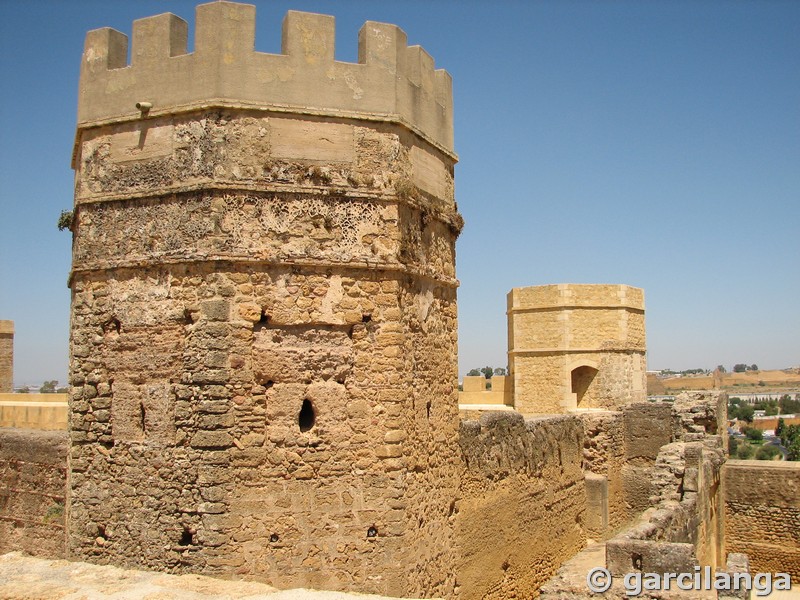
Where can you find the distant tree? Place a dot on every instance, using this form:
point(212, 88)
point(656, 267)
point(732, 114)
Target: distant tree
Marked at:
point(753, 367)
point(768, 452)
point(733, 444)
point(761, 383)
point(781, 426)
point(746, 413)
point(721, 369)
point(788, 406)
point(771, 410)
point(754, 434)
point(473, 373)
point(745, 452)
point(487, 372)
point(789, 434)
point(734, 400)
point(793, 449)
point(49, 387)
point(500, 371)
point(739, 368)
point(62, 390)
point(24, 390)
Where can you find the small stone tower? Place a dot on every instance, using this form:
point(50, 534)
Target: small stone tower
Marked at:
point(263, 345)
point(6, 357)
point(576, 346)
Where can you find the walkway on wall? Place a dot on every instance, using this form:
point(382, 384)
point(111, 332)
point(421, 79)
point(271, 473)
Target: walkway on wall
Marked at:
point(24, 577)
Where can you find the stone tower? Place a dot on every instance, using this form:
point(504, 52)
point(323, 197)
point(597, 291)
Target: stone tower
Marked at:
point(263, 346)
point(6, 357)
point(576, 346)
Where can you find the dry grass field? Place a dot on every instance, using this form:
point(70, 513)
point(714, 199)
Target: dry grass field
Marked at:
point(747, 382)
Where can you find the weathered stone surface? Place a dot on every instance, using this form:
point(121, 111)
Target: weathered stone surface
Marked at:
point(32, 485)
point(762, 514)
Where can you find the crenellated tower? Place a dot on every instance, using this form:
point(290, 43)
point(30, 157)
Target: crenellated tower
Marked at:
point(263, 342)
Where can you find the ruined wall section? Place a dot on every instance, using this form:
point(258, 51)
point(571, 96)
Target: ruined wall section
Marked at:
point(6, 357)
point(522, 505)
point(576, 346)
point(603, 464)
point(762, 514)
point(264, 323)
point(33, 473)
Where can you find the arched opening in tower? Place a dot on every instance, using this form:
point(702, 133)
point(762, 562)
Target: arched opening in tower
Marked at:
point(582, 378)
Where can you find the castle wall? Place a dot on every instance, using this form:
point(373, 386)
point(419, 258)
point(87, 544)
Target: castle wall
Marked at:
point(762, 514)
point(576, 346)
point(32, 484)
point(6, 357)
point(49, 412)
point(522, 503)
point(263, 354)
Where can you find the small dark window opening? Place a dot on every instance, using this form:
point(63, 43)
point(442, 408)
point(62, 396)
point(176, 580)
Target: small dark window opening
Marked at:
point(636, 559)
point(274, 538)
point(428, 409)
point(366, 318)
point(372, 532)
point(186, 538)
point(263, 321)
point(307, 416)
point(142, 417)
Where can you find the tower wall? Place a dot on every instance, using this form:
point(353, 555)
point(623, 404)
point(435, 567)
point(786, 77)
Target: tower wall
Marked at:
point(6, 357)
point(576, 346)
point(263, 349)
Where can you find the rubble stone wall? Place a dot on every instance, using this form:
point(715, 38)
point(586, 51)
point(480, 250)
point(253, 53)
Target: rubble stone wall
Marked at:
point(522, 504)
point(33, 472)
point(762, 514)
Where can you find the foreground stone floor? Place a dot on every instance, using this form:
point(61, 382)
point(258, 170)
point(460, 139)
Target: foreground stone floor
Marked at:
point(26, 578)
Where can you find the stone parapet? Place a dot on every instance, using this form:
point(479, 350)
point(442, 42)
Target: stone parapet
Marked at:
point(391, 81)
point(47, 412)
point(33, 468)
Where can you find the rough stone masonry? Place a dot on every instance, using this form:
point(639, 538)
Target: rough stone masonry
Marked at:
point(263, 350)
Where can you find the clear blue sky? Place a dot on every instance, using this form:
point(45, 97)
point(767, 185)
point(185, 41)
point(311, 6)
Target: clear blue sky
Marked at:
point(650, 143)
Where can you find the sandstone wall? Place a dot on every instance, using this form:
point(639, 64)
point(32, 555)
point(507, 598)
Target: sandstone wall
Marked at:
point(522, 503)
point(762, 514)
point(6, 357)
point(32, 486)
point(34, 411)
point(263, 358)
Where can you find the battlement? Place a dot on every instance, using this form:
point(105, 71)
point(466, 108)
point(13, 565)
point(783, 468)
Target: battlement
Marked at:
point(391, 82)
point(571, 295)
